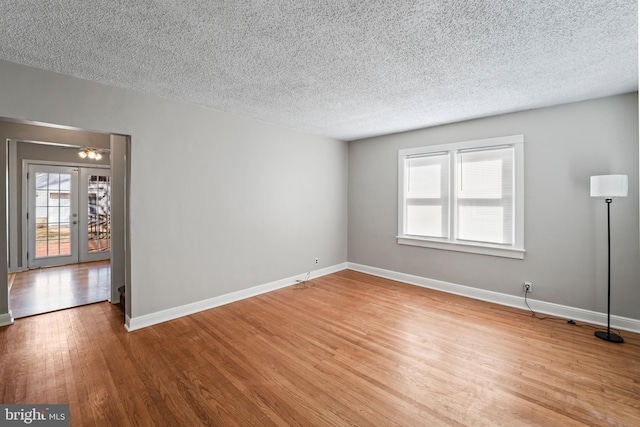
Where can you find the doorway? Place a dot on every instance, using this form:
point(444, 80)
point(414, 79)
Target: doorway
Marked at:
point(44, 143)
point(67, 238)
point(68, 215)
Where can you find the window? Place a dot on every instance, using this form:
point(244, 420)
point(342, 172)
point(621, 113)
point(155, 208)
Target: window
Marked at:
point(466, 196)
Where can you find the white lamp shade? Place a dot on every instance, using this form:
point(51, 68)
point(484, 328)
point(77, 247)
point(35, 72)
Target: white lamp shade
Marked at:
point(609, 186)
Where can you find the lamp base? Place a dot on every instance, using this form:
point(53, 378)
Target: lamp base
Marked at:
point(609, 336)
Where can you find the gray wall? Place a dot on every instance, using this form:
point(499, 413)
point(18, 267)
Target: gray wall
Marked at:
point(565, 229)
point(218, 203)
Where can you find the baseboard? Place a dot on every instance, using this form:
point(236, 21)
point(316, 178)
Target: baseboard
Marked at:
point(543, 307)
point(579, 314)
point(134, 323)
point(6, 319)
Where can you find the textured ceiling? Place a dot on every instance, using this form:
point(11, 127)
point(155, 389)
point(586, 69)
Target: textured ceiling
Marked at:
point(345, 69)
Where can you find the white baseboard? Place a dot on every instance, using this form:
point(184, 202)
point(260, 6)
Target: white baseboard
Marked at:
point(6, 319)
point(617, 322)
point(578, 314)
point(134, 323)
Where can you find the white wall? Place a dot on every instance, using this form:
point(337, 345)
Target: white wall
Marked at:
point(565, 229)
point(218, 203)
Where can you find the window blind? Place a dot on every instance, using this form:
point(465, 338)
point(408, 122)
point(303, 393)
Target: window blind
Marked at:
point(427, 195)
point(484, 195)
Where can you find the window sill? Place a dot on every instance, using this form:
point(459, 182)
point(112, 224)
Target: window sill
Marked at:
point(475, 248)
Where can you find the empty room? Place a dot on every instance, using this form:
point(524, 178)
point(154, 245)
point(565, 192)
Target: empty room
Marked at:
point(320, 213)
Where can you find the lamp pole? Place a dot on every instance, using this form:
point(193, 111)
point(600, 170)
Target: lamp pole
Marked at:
point(609, 336)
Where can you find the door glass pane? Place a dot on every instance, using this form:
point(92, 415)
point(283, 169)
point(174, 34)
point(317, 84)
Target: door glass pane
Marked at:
point(53, 212)
point(65, 183)
point(99, 213)
point(53, 232)
point(42, 180)
point(41, 197)
point(65, 214)
point(52, 248)
point(65, 246)
point(54, 182)
point(65, 237)
point(54, 198)
point(54, 215)
point(41, 244)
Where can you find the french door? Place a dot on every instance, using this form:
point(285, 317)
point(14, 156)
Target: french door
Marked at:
point(94, 236)
point(68, 215)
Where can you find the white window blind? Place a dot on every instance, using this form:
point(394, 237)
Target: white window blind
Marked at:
point(427, 195)
point(465, 196)
point(485, 195)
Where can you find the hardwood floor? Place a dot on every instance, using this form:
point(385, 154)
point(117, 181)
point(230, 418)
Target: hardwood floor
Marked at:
point(55, 288)
point(351, 349)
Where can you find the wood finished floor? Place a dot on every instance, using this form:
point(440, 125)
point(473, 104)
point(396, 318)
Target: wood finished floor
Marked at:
point(352, 349)
point(54, 288)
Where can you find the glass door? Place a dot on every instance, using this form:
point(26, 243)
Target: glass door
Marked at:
point(52, 215)
point(95, 214)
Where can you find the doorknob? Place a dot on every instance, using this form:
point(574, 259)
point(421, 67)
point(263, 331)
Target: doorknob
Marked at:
point(75, 222)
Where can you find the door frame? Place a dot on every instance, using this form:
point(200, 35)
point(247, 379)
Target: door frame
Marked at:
point(25, 202)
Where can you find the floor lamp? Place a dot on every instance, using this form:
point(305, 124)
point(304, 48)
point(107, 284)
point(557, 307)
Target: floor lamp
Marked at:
point(608, 187)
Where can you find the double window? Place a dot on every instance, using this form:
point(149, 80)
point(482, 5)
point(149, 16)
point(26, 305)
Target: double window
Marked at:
point(466, 196)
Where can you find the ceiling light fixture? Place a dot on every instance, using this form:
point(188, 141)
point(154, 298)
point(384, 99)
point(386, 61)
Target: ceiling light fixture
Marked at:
point(91, 153)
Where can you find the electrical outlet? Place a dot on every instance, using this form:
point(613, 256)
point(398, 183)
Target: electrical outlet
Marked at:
point(528, 286)
point(316, 261)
